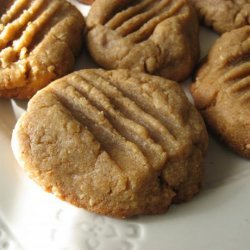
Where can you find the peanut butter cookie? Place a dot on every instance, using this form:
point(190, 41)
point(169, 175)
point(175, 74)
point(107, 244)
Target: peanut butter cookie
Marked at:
point(222, 89)
point(113, 142)
point(223, 15)
point(157, 37)
point(39, 40)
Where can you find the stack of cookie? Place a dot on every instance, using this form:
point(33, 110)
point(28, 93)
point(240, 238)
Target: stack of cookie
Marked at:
point(123, 140)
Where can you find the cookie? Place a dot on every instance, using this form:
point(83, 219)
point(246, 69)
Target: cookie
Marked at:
point(39, 40)
point(156, 37)
point(222, 89)
point(113, 142)
point(223, 15)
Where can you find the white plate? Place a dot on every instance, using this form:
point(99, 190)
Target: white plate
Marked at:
point(218, 218)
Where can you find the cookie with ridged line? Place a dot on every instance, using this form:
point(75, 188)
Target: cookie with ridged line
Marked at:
point(113, 142)
point(156, 37)
point(223, 15)
point(39, 41)
point(222, 89)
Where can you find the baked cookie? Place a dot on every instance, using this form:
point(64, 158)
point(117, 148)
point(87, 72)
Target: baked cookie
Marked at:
point(222, 89)
point(39, 40)
point(223, 15)
point(113, 142)
point(156, 37)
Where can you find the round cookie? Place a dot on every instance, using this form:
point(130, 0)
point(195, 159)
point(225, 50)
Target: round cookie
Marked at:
point(39, 40)
point(156, 37)
point(223, 15)
point(222, 89)
point(113, 142)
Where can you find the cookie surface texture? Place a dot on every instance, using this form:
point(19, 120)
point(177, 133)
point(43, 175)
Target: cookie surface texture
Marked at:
point(222, 89)
point(156, 37)
point(113, 142)
point(223, 15)
point(39, 40)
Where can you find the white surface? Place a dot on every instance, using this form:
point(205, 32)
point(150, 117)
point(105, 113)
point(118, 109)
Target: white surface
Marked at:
point(217, 219)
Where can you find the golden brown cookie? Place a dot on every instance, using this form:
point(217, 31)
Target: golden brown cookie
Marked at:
point(157, 37)
point(223, 15)
point(113, 142)
point(39, 40)
point(222, 89)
